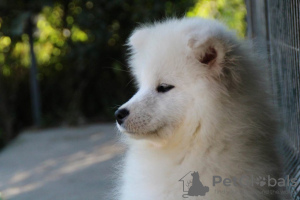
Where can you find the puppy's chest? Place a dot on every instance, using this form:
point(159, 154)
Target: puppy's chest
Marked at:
point(164, 178)
point(170, 184)
point(161, 180)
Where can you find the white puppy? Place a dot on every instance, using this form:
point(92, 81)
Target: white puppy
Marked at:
point(201, 110)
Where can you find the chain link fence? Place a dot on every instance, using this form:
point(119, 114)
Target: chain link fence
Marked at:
point(274, 25)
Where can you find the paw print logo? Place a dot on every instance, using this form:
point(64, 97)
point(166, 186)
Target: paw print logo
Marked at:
point(261, 181)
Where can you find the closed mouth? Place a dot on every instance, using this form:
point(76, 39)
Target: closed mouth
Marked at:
point(130, 133)
point(140, 134)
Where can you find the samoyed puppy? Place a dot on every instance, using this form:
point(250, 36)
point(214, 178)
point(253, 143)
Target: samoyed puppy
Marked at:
point(201, 116)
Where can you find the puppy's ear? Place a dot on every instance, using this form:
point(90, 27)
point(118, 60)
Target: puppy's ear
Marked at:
point(137, 39)
point(208, 51)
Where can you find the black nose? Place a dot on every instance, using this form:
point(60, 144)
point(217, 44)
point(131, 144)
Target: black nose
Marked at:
point(121, 114)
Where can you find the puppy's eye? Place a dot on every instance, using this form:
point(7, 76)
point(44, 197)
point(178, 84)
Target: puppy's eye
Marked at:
point(162, 88)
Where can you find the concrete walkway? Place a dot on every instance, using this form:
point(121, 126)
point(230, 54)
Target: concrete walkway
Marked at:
point(60, 164)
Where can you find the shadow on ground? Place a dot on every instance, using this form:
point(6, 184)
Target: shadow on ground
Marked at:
point(63, 163)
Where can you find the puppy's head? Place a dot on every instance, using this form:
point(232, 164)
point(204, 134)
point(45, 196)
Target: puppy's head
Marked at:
point(177, 65)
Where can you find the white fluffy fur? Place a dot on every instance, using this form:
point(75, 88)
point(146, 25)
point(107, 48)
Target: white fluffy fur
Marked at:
point(216, 120)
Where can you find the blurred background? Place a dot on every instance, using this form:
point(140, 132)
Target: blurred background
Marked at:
point(63, 73)
point(77, 73)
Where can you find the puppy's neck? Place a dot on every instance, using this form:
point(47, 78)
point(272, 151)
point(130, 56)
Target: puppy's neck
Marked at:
point(173, 142)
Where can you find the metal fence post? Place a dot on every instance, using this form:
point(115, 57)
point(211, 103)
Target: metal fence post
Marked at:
point(35, 94)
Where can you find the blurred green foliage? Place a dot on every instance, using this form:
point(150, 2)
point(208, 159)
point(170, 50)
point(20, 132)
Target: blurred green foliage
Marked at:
point(79, 46)
point(230, 12)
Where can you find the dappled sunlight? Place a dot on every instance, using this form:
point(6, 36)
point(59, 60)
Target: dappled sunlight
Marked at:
point(58, 167)
point(18, 177)
point(4, 42)
point(84, 160)
point(78, 35)
point(21, 52)
point(10, 192)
